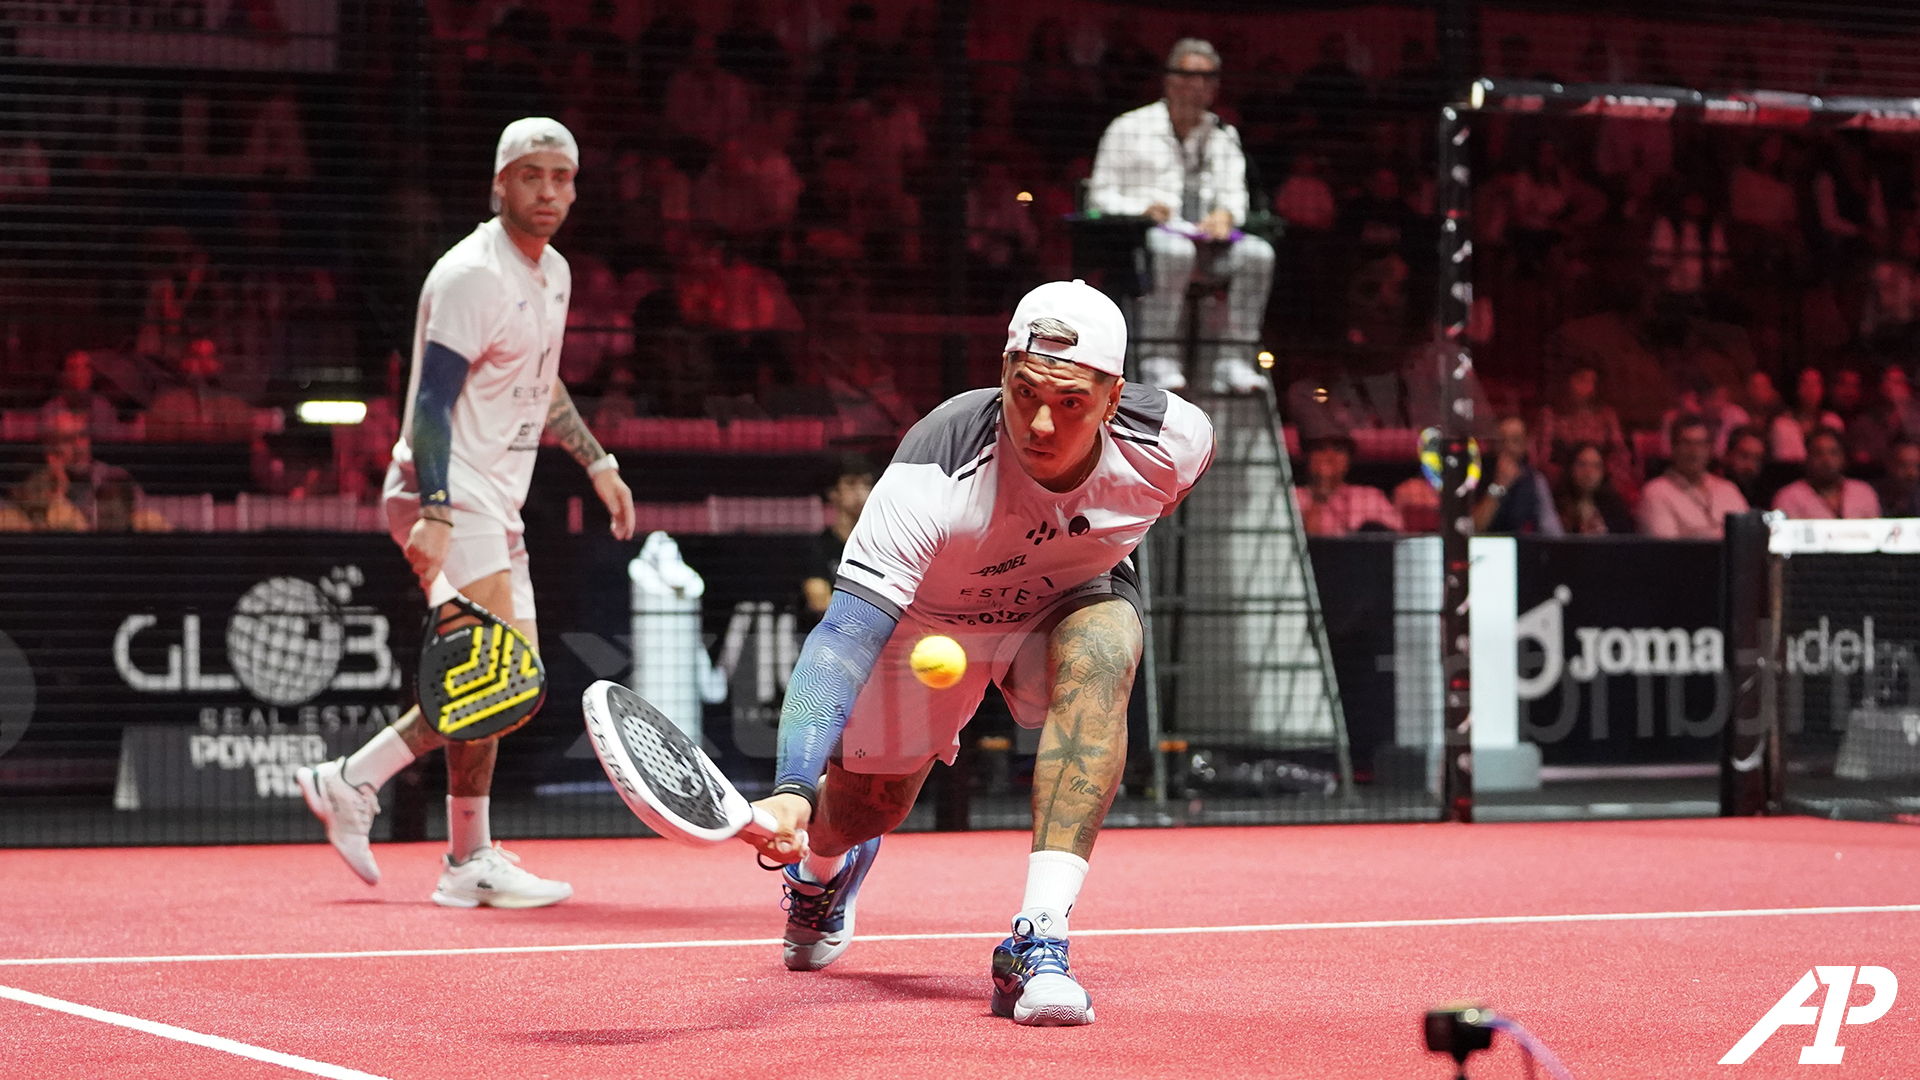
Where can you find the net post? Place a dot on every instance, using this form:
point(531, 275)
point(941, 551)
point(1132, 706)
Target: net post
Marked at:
point(1454, 305)
point(1750, 745)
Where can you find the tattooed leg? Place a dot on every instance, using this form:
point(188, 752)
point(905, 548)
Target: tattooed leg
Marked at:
point(855, 807)
point(469, 764)
point(1091, 658)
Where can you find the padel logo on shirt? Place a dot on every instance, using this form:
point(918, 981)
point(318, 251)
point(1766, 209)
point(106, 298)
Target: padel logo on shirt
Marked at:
point(1793, 1010)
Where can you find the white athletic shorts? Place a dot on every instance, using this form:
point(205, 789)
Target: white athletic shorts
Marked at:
point(899, 723)
point(482, 544)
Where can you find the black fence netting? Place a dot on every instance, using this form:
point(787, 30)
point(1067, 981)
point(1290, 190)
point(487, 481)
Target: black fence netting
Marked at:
point(799, 227)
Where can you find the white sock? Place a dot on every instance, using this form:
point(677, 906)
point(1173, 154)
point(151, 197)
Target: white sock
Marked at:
point(1053, 885)
point(821, 869)
point(376, 763)
point(467, 828)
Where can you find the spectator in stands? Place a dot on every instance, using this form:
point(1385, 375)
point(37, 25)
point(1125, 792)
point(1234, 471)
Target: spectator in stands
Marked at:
point(1759, 196)
point(1331, 90)
point(1825, 492)
point(1887, 317)
point(1846, 395)
point(1585, 499)
point(62, 495)
point(1001, 236)
point(664, 47)
point(1745, 463)
point(1899, 489)
point(846, 496)
point(179, 300)
point(1306, 203)
point(1893, 417)
point(617, 402)
point(750, 49)
point(1515, 498)
point(1687, 502)
point(1577, 416)
point(1329, 506)
point(77, 399)
point(598, 51)
point(1851, 210)
point(705, 103)
point(1762, 400)
point(750, 188)
point(652, 200)
point(197, 410)
point(1193, 186)
point(599, 324)
point(1791, 430)
point(1710, 401)
point(852, 63)
point(117, 510)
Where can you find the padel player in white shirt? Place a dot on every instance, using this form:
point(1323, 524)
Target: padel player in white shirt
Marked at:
point(485, 384)
point(1006, 521)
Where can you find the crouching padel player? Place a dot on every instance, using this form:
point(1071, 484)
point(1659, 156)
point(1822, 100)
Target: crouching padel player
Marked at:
point(1006, 520)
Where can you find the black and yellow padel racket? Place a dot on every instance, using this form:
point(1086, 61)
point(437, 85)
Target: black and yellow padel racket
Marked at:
point(479, 677)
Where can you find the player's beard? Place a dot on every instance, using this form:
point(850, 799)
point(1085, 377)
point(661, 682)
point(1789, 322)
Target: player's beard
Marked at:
point(527, 223)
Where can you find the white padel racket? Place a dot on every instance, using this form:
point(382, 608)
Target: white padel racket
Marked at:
point(663, 777)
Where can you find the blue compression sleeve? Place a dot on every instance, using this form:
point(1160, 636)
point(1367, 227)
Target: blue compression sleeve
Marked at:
point(442, 373)
point(834, 665)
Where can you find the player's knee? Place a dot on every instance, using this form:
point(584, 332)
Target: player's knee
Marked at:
point(1098, 643)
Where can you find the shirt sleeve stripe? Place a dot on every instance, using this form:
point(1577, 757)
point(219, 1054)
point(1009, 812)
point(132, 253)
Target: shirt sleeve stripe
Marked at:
point(854, 588)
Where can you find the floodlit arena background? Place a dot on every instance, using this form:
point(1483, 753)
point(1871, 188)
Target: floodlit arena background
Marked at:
point(1463, 683)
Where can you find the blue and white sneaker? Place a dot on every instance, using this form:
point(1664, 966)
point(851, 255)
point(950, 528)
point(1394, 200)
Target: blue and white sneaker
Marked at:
point(820, 917)
point(1031, 983)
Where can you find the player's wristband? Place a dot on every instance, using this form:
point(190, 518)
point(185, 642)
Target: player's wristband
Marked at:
point(805, 791)
point(605, 463)
point(437, 520)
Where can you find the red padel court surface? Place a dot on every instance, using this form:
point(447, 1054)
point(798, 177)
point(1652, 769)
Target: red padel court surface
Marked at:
point(1632, 949)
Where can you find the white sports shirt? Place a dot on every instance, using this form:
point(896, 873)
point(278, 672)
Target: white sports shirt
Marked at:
point(1141, 162)
point(956, 531)
point(486, 301)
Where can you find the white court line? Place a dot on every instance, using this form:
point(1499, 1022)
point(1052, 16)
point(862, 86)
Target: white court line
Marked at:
point(1151, 931)
point(168, 1031)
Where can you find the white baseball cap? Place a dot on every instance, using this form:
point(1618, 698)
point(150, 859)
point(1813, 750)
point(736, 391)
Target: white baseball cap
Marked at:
point(1099, 330)
point(531, 135)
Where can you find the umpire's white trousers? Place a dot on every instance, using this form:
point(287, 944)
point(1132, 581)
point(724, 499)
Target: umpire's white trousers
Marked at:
point(1248, 266)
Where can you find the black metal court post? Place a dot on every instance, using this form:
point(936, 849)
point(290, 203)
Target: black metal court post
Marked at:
point(1455, 304)
point(1750, 743)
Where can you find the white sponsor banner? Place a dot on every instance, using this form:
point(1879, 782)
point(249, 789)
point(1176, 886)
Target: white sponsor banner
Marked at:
point(1860, 536)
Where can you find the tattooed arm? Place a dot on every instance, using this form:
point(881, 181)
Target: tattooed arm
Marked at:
point(569, 430)
point(563, 420)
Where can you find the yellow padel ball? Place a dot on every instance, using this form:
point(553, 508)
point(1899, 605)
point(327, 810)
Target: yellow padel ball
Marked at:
point(938, 661)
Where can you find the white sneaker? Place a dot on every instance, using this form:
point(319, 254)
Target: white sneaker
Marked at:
point(347, 810)
point(1236, 375)
point(1163, 373)
point(491, 877)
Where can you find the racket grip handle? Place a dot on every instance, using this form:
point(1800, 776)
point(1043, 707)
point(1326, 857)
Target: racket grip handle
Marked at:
point(441, 591)
point(762, 823)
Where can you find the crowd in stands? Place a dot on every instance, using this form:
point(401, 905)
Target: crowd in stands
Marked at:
point(754, 189)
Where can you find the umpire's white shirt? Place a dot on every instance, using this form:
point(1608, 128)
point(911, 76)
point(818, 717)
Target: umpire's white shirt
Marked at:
point(1141, 162)
point(488, 302)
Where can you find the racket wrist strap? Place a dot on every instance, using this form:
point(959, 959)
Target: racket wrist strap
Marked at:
point(804, 790)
